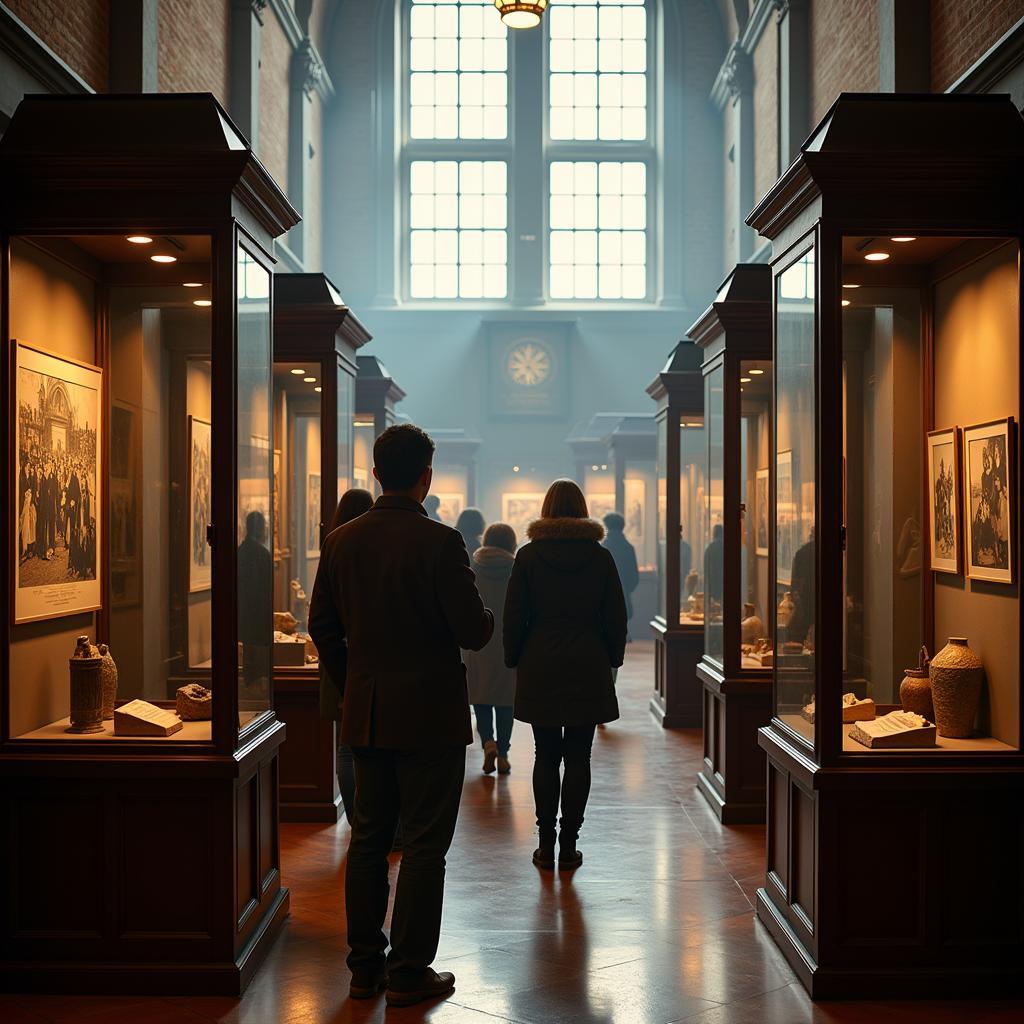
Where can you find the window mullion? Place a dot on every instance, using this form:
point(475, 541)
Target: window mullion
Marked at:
point(527, 180)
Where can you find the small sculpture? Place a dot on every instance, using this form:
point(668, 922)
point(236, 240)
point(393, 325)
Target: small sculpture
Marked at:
point(108, 673)
point(785, 610)
point(86, 688)
point(916, 689)
point(194, 703)
point(751, 627)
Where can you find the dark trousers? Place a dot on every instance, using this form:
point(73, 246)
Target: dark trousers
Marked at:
point(487, 715)
point(347, 779)
point(420, 789)
point(556, 745)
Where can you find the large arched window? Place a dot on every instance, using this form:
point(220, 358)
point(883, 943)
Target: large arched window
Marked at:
point(527, 158)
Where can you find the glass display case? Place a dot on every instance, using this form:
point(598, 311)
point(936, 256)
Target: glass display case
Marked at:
point(137, 691)
point(735, 336)
point(316, 338)
point(454, 481)
point(894, 749)
point(377, 394)
point(681, 529)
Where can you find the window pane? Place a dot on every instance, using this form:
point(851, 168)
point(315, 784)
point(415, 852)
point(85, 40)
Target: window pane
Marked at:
point(451, 42)
point(604, 48)
point(606, 263)
point(468, 199)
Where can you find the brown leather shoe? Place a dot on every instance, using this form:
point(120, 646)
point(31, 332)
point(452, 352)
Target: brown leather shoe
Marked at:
point(431, 986)
point(503, 766)
point(490, 756)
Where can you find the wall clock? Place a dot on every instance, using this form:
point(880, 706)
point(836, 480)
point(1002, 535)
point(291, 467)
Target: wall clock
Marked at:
point(529, 367)
point(529, 364)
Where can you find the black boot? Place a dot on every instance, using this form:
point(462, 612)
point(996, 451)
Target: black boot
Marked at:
point(569, 858)
point(544, 855)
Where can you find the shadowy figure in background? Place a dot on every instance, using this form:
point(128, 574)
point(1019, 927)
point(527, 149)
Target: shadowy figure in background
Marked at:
point(353, 503)
point(393, 603)
point(564, 631)
point(492, 685)
point(625, 557)
point(714, 564)
point(255, 613)
point(431, 505)
point(471, 525)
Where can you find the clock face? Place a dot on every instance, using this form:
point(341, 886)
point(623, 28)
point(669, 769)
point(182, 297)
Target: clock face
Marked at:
point(529, 364)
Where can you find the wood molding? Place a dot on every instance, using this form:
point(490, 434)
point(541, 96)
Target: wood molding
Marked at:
point(1001, 58)
point(31, 53)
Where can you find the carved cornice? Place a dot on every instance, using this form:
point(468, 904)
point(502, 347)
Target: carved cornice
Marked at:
point(309, 73)
point(735, 77)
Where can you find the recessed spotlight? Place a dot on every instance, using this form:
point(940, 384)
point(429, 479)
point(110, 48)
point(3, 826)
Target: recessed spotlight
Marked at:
point(139, 239)
point(904, 238)
point(851, 285)
point(318, 389)
point(756, 373)
point(876, 257)
point(191, 284)
point(309, 380)
point(163, 257)
point(515, 469)
point(744, 380)
point(299, 373)
point(604, 466)
point(693, 424)
point(594, 468)
point(845, 302)
point(202, 302)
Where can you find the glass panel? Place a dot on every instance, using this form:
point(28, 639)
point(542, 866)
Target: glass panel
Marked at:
point(661, 514)
point(346, 412)
point(714, 553)
point(254, 527)
point(362, 454)
point(693, 518)
point(755, 411)
point(794, 495)
point(151, 507)
point(298, 508)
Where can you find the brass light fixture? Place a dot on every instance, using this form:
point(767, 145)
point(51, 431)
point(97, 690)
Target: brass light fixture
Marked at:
point(521, 13)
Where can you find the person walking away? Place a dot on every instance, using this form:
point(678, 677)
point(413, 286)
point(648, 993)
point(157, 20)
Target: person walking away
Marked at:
point(353, 503)
point(432, 505)
point(471, 525)
point(564, 630)
point(393, 602)
point(492, 685)
point(624, 555)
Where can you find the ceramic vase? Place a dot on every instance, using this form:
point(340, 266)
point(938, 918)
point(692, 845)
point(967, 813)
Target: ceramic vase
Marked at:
point(751, 628)
point(86, 689)
point(916, 689)
point(108, 673)
point(956, 675)
point(785, 610)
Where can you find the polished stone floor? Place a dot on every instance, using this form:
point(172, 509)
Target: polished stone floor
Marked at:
point(657, 926)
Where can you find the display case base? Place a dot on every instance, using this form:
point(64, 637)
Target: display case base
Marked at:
point(732, 778)
point(677, 700)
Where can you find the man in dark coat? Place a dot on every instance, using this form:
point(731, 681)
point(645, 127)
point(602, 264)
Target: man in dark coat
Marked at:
point(393, 603)
point(625, 557)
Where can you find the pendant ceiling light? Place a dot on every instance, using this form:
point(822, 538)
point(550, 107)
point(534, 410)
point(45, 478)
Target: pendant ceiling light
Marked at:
point(521, 14)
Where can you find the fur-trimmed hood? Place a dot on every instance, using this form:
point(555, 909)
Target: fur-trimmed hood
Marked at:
point(494, 563)
point(565, 529)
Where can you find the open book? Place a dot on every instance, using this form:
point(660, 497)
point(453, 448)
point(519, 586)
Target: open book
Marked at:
point(897, 729)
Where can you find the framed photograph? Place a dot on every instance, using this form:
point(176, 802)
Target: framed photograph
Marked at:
point(989, 512)
point(200, 566)
point(944, 500)
point(519, 509)
point(785, 517)
point(312, 515)
point(125, 506)
point(56, 490)
point(452, 504)
point(761, 493)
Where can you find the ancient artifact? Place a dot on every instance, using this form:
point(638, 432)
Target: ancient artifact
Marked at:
point(751, 627)
point(785, 610)
point(695, 603)
point(856, 709)
point(916, 689)
point(140, 718)
point(956, 675)
point(692, 579)
point(86, 688)
point(194, 703)
point(896, 729)
point(108, 673)
point(289, 651)
point(285, 622)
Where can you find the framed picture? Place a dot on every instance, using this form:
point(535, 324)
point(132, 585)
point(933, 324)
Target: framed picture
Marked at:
point(519, 509)
point(785, 517)
point(57, 489)
point(635, 514)
point(601, 504)
point(452, 504)
point(989, 513)
point(312, 515)
point(944, 500)
point(200, 568)
point(125, 506)
point(761, 492)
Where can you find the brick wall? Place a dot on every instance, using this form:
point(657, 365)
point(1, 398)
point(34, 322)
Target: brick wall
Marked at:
point(766, 112)
point(77, 32)
point(275, 61)
point(963, 30)
point(844, 51)
point(194, 42)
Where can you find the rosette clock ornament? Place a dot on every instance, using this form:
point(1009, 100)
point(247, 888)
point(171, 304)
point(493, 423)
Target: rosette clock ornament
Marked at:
point(520, 13)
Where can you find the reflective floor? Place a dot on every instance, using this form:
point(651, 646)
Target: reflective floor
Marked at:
point(657, 926)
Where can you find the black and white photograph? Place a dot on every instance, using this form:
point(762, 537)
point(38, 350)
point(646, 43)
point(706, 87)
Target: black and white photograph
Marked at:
point(200, 571)
point(988, 492)
point(943, 500)
point(57, 497)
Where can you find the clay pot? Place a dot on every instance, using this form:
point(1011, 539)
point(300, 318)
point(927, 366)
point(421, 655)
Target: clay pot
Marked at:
point(785, 610)
point(916, 689)
point(108, 674)
point(86, 689)
point(956, 675)
point(751, 628)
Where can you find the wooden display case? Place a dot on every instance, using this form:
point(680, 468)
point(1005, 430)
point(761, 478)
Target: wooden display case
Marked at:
point(897, 288)
point(377, 394)
point(316, 338)
point(137, 234)
point(682, 526)
point(735, 336)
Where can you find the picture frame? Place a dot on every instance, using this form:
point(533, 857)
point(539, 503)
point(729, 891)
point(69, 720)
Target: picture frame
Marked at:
point(313, 501)
point(57, 488)
point(945, 483)
point(519, 509)
point(200, 482)
point(762, 479)
point(785, 517)
point(990, 512)
point(635, 514)
point(600, 504)
point(451, 505)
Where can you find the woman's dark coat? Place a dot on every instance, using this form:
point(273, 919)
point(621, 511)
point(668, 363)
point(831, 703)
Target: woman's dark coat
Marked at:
point(565, 625)
point(488, 678)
